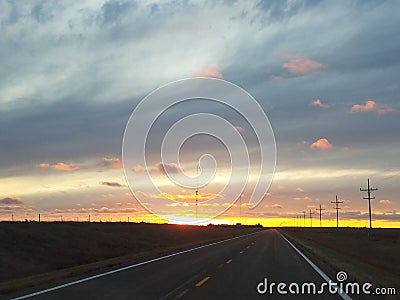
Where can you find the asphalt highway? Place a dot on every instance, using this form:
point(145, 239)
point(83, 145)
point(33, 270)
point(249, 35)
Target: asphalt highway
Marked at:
point(235, 269)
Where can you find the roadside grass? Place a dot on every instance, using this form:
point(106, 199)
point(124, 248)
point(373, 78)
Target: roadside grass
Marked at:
point(373, 257)
point(38, 253)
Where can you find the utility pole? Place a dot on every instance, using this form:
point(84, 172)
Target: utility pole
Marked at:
point(240, 207)
point(320, 214)
point(197, 188)
point(369, 198)
point(12, 217)
point(39, 218)
point(311, 213)
point(336, 202)
point(89, 218)
point(304, 218)
point(128, 219)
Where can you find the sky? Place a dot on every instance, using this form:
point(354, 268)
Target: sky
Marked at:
point(324, 72)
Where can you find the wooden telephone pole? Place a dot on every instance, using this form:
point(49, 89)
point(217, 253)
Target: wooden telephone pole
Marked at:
point(369, 190)
point(336, 202)
point(320, 214)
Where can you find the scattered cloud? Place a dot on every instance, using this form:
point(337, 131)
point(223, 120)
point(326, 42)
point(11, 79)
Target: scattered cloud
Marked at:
point(371, 105)
point(61, 166)
point(277, 77)
point(178, 204)
point(210, 71)
point(302, 198)
point(276, 206)
point(302, 65)
point(10, 201)
point(180, 197)
point(385, 201)
point(112, 162)
point(111, 184)
point(137, 169)
point(345, 150)
point(300, 190)
point(322, 144)
point(168, 168)
point(318, 102)
point(238, 128)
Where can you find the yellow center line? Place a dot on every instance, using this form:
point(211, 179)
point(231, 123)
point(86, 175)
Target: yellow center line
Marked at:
point(201, 282)
point(229, 261)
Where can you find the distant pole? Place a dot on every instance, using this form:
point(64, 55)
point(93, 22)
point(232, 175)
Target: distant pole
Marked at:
point(89, 218)
point(369, 198)
point(39, 218)
point(240, 207)
point(311, 213)
point(320, 214)
point(12, 217)
point(128, 219)
point(304, 218)
point(336, 202)
point(197, 187)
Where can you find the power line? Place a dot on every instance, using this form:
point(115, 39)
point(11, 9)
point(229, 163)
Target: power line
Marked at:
point(336, 202)
point(369, 190)
point(320, 214)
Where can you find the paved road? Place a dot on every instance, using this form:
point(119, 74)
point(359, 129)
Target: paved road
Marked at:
point(229, 270)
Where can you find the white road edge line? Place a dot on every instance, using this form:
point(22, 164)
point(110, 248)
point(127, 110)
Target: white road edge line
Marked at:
point(319, 271)
point(126, 268)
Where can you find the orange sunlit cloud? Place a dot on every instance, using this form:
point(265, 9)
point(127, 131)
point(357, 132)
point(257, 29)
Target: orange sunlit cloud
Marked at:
point(318, 102)
point(61, 166)
point(137, 169)
point(10, 201)
point(302, 65)
point(385, 201)
point(210, 71)
point(112, 162)
point(371, 105)
point(322, 144)
point(276, 206)
point(302, 198)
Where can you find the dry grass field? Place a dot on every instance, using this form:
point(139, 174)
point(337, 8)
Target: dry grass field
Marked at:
point(33, 253)
point(366, 256)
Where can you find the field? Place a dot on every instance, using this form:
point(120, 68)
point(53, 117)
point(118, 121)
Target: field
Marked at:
point(33, 253)
point(366, 256)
